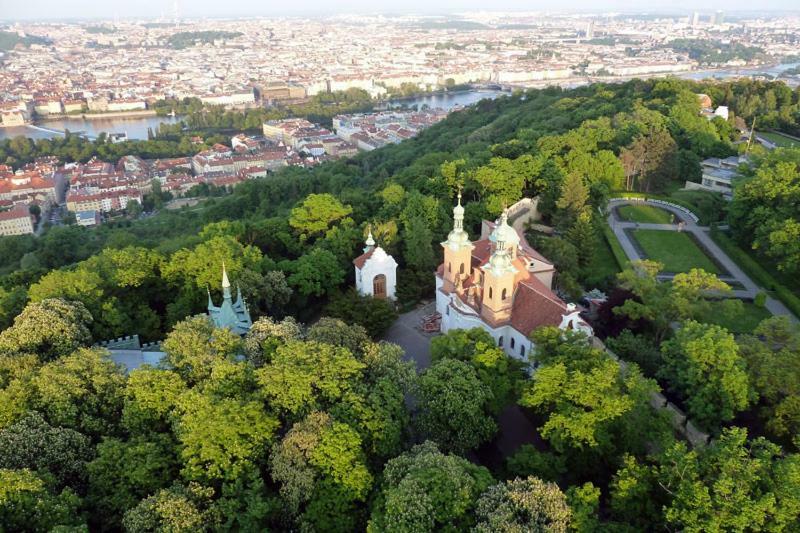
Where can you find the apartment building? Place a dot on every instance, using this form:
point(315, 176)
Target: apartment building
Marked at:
point(16, 221)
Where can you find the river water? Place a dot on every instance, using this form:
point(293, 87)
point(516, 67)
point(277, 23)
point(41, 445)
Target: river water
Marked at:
point(136, 127)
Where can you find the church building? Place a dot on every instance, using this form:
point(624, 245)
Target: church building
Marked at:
point(501, 284)
point(232, 315)
point(376, 271)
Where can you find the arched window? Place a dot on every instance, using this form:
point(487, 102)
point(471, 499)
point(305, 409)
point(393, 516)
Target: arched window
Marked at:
point(449, 267)
point(379, 286)
point(500, 341)
point(522, 350)
point(490, 293)
point(512, 343)
point(461, 269)
point(503, 295)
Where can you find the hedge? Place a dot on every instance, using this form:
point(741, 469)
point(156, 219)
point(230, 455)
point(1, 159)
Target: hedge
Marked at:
point(756, 271)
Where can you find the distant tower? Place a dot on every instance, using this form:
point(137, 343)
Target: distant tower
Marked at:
point(590, 30)
point(176, 12)
point(457, 251)
point(376, 271)
point(719, 18)
point(695, 19)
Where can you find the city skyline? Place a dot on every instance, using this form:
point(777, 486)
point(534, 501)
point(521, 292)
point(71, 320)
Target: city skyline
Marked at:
point(153, 9)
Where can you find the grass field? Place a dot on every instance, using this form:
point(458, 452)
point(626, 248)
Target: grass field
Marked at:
point(780, 140)
point(677, 251)
point(750, 317)
point(645, 214)
point(604, 264)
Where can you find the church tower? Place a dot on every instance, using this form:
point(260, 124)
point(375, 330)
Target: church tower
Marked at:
point(233, 315)
point(499, 273)
point(457, 251)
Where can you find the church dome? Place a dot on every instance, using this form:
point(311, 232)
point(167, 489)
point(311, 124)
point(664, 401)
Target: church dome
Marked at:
point(505, 234)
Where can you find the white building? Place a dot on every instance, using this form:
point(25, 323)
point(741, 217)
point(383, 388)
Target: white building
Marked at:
point(500, 284)
point(376, 272)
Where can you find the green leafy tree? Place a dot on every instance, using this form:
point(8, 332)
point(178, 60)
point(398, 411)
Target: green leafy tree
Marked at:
point(32, 443)
point(316, 273)
point(734, 485)
point(307, 376)
point(702, 363)
point(320, 457)
point(195, 344)
point(573, 200)
point(49, 329)
point(424, 490)
point(337, 332)
point(375, 314)
point(28, 504)
point(178, 509)
point(454, 406)
point(523, 505)
point(317, 213)
point(82, 391)
point(124, 472)
point(222, 437)
point(266, 335)
point(151, 396)
point(772, 354)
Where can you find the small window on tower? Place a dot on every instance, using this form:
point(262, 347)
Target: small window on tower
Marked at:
point(512, 343)
point(500, 341)
point(490, 293)
point(461, 270)
point(449, 267)
point(503, 295)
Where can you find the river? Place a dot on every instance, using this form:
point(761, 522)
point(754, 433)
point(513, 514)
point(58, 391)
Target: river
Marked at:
point(136, 127)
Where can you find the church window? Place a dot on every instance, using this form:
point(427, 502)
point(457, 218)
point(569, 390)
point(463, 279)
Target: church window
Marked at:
point(522, 350)
point(512, 343)
point(490, 293)
point(500, 341)
point(379, 286)
point(503, 296)
point(449, 267)
point(461, 270)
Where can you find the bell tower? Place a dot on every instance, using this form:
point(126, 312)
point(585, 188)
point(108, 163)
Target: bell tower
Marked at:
point(499, 274)
point(457, 251)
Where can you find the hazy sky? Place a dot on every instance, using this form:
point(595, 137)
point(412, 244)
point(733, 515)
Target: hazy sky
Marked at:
point(51, 9)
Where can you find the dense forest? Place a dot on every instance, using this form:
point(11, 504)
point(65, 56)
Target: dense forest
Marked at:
point(307, 426)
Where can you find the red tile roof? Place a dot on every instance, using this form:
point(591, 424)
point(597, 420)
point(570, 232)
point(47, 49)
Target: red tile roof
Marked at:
point(361, 259)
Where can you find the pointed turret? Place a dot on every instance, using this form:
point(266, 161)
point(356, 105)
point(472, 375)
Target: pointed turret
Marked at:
point(457, 250)
point(226, 284)
point(457, 238)
point(370, 242)
point(231, 315)
point(210, 301)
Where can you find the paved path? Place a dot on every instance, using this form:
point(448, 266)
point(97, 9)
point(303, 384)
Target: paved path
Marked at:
point(702, 234)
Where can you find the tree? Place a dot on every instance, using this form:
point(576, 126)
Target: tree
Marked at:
point(201, 267)
point(375, 314)
point(689, 296)
point(316, 214)
point(28, 504)
point(772, 354)
point(307, 376)
point(337, 332)
point(316, 273)
point(195, 344)
point(124, 472)
point(523, 505)
point(650, 160)
point(702, 363)
point(82, 391)
point(222, 438)
point(499, 372)
point(572, 202)
point(320, 457)
point(419, 252)
point(178, 509)
point(266, 335)
point(151, 396)
point(49, 329)
point(32, 443)
point(454, 406)
point(734, 485)
point(582, 235)
point(589, 401)
point(424, 490)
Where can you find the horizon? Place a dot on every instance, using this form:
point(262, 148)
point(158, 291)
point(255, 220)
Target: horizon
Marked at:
point(205, 9)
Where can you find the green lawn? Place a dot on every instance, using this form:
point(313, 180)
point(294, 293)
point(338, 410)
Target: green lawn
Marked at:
point(677, 251)
point(604, 263)
point(750, 317)
point(780, 140)
point(645, 214)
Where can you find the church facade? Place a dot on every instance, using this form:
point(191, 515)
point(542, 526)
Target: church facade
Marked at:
point(376, 271)
point(501, 284)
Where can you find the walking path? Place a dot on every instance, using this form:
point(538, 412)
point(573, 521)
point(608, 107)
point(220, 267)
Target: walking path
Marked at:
point(702, 234)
